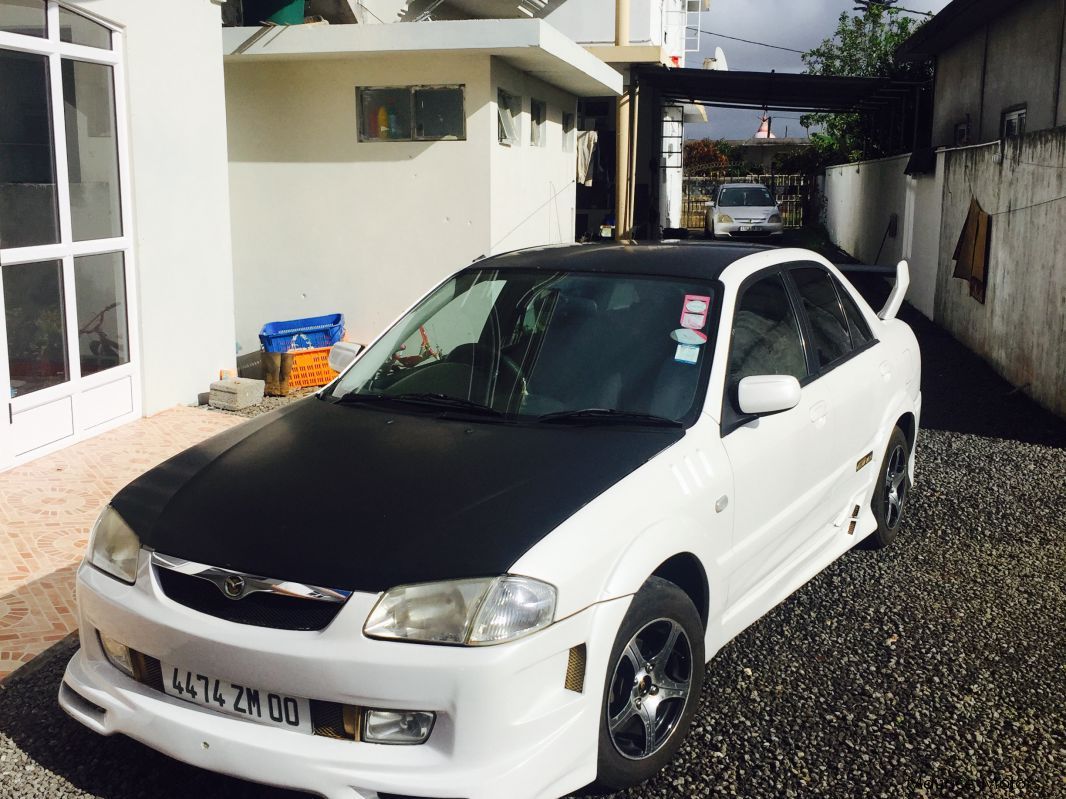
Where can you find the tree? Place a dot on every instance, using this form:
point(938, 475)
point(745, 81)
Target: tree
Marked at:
point(862, 46)
point(703, 156)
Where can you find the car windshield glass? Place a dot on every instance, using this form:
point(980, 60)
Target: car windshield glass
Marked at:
point(511, 344)
point(751, 197)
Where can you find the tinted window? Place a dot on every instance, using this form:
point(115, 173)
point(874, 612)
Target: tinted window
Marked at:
point(860, 331)
point(829, 328)
point(530, 342)
point(766, 339)
point(753, 197)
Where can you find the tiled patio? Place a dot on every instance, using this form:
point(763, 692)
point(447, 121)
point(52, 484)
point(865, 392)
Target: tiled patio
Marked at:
point(47, 508)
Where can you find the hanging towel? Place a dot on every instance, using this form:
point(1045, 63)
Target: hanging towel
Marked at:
point(586, 145)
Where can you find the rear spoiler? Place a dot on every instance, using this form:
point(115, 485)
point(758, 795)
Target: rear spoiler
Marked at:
point(901, 273)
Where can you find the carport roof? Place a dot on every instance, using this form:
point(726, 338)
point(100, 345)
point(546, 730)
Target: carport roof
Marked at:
point(530, 45)
point(774, 91)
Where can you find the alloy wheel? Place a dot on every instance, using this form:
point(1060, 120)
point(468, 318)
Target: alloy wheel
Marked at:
point(895, 486)
point(650, 688)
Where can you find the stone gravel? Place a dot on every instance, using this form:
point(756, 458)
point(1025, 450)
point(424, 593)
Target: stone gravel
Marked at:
point(934, 669)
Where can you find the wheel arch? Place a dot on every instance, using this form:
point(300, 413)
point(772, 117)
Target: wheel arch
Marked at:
point(686, 571)
point(908, 424)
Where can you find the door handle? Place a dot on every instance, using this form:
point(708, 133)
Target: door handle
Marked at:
point(818, 412)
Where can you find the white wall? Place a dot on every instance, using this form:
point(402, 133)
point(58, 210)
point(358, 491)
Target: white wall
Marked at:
point(323, 223)
point(533, 188)
point(177, 142)
point(860, 200)
point(592, 21)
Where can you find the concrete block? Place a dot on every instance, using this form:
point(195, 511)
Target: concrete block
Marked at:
point(235, 393)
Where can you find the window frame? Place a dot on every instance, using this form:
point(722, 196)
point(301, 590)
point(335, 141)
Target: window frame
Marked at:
point(1015, 112)
point(411, 89)
point(814, 369)
point(733, 418)
point(508, 111)
point(538, 128)
point(66, 249)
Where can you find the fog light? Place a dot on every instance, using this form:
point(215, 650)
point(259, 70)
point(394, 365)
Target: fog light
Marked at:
point(397, 726)
point(118, 654)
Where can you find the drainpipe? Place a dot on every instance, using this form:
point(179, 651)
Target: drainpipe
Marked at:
point(621, 184)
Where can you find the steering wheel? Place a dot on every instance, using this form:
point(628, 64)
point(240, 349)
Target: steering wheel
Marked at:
point(482, 354)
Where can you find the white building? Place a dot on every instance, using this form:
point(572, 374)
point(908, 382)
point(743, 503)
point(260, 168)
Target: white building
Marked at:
point(168, 185)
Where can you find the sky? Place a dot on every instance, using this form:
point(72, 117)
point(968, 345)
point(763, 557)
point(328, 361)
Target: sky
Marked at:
point(797, 24)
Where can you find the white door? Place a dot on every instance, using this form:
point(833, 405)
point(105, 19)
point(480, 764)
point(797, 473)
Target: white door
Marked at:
point(69, 361)
point(775, 512)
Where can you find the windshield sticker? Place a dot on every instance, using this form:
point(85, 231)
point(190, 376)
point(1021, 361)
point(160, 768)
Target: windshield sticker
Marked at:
point(686, 353)
point(691, 337)
point(694, 312)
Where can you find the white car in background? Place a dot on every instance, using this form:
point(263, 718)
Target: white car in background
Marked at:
point(743, 210)
point(491, 559)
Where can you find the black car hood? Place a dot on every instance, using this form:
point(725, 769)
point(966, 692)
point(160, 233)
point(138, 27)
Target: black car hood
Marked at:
point(362, 499)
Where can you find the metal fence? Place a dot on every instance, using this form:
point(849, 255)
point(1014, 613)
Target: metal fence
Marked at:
point(792, 193)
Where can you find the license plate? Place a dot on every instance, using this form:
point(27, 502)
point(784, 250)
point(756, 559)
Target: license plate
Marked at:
point(233, 699)
point(749, 228)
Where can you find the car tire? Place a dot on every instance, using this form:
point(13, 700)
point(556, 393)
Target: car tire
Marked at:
point(891, 491)
point(662, 628)
point(708, 231)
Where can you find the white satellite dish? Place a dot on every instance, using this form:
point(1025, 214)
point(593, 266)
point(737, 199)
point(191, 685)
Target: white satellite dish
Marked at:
point(719, 60)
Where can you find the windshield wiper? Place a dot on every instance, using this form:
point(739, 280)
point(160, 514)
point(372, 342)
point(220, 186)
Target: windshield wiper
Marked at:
point(608, 416)
point(427, 399)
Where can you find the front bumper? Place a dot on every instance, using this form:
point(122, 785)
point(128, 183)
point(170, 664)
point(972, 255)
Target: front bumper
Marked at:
point(506, 725)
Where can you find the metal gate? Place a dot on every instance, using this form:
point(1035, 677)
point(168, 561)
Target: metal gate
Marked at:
point(792, 193)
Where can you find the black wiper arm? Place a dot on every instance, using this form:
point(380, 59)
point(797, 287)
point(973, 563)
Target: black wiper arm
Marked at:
point(426, 398)
point(609, 416)
point(443, 401)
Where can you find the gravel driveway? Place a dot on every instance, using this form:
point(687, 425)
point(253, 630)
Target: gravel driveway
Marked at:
point(936, 668)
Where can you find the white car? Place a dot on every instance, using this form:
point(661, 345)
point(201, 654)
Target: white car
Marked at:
point(742, 211)
point(491, 558)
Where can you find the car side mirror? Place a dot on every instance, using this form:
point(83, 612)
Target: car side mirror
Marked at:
point(342, 354)
point(762, 394)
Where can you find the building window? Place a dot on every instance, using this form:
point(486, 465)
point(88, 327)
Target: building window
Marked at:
point(509, 115)
point(538, 118)
point(962, 134)
point(1013, 124)
point(569, 134)
point(411, 113)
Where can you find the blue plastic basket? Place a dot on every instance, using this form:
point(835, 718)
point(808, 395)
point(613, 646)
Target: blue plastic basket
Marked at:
point(298, 334)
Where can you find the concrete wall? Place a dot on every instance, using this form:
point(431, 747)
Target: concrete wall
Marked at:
point(324, 223)
point(1017, 60)
point(860, 200)
point(533, 188)
point(177, 141)
point(1021, 327)
point(651, 22)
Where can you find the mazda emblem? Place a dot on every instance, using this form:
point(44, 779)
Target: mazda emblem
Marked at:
point(233, 586)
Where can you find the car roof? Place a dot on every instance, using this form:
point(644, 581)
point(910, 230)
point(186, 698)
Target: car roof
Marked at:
point(687, 259)
point(742, 185)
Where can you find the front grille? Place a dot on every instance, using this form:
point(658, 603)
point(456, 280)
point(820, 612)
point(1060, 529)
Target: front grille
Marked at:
point(260, 609)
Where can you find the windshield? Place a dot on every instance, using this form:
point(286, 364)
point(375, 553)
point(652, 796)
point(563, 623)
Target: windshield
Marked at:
point(540, 345)
point(748, 196)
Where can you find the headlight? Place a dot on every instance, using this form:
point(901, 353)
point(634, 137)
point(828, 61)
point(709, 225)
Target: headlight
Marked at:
point(725, 219)
point(114, 547)
point(464, 612)
point(775, 219)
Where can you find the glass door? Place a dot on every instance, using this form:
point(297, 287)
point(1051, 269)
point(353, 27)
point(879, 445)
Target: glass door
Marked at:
point(69, 366)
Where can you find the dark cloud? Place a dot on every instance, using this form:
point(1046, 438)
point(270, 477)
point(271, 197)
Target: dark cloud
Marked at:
point(798, 24)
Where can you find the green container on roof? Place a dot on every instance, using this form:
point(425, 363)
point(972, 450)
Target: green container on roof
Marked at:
point(281, 12)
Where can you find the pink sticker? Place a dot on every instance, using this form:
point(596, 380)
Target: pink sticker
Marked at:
point(694, 311)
